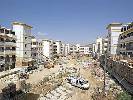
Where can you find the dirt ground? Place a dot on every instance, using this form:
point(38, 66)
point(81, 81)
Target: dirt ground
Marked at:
point(85, 94)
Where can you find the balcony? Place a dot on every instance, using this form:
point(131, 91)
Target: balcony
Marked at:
point(10, 44)
point(2, 61)
point(2, 32)
point(2, 43)
point(1, 52)
point(11, 35)
point(10, 52)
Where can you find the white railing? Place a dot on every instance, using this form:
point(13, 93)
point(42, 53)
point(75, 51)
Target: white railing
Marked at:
point(1, 43)
point(10, 43)
point(8, 52)
point(1, 53)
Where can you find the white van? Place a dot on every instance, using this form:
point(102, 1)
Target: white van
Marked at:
point(78, 82)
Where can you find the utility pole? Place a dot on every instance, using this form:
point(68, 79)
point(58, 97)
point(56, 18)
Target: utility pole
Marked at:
point(104, 84)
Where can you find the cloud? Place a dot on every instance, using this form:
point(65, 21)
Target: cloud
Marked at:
point(41, 35)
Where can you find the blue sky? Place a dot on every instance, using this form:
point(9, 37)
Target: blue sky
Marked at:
point(76, 21)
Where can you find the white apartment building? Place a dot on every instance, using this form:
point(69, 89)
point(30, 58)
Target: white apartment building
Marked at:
point(77, 47)
point(53, 49)
point(81, 49)
point(100, 46)
point(86, 49)
point(59, 45)
point(37, 50)
point(23, 43)
point(94, 47)
point(67, 49)
point(63, 46)
point(114, 30)
point(34, 48)
point(73, 49)
point(7, 49)
point(48, 48)
point(40, 55)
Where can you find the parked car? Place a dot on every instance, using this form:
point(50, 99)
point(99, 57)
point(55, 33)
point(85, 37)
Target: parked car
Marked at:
point(78, 82)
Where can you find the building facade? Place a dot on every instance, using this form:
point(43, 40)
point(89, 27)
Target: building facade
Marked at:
point(37, 50)
point(48, 48)
point(34, 48)
point(23, 43)
point(7, 49)
point(125, 46)
point(67, 49)
point(100, 46)
point(114, 30)
point(59, 45)
point(85, 49)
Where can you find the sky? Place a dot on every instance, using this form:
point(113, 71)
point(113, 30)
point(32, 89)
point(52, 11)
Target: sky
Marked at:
point(71, 21)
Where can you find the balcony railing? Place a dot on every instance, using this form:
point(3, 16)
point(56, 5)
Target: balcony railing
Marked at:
point(2, 33)
point(1, 52)
point(2, 61)
point(11, 35)
point(10, 52)
point(1, 43)
point(10, 43)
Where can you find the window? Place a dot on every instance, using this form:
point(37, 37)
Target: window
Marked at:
point(13, 48)
point(25, 45)
point(7, 31)
point(25, 53)
point(1, 58)
point(25, 38)
point(7, 48)
point(34, 43)
point(13, 33)
point(1, 30)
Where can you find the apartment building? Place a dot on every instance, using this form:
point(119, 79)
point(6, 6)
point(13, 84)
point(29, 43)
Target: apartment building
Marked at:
point(40, 55)
point(94, 47)
point(67, 49)
point(114, 30)
point(7, 49)
point(85, 49)
point(48, 48)
point(73, 49)
point(79, 49)
point(37, 50)
point(63, 46)
point(34, 48)
point(105, 45)
point(23, 43)
point(125, 46)
point(59, 45)
point(101, 45)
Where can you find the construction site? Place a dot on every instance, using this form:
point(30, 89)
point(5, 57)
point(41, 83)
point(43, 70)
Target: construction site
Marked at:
point(48, 82)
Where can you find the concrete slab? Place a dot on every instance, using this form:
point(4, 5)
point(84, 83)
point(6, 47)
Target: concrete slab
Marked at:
point(49, 96)
point(62, 88)
point(55, 93)
point(58, 90)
